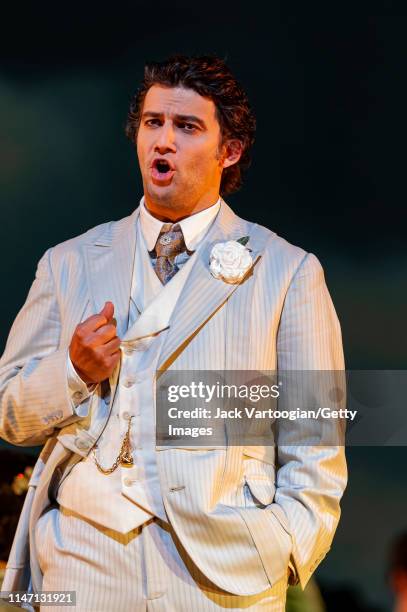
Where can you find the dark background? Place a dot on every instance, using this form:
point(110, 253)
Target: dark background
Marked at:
point(327, 82)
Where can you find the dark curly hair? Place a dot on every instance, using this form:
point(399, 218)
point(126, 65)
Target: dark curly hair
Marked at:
point(211, 78)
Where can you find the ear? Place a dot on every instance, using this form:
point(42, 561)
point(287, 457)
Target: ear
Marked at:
point(232, 152)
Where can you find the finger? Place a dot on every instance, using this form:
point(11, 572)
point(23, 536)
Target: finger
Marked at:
point(107, 310)
point(108, 360)
point(112, 321)
point(112, 347)
point(104, 334)
point(92, 323)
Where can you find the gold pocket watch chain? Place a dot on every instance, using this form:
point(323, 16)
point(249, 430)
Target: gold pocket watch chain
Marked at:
point(124, 457)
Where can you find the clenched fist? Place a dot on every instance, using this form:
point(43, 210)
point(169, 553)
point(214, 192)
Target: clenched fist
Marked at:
point(94, 348)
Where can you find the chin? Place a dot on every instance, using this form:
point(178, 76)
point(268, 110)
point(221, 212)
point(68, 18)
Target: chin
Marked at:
point(165, 195)
point(164, 199)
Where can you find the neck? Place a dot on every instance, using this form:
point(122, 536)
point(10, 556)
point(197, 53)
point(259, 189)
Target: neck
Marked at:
point(172, 213)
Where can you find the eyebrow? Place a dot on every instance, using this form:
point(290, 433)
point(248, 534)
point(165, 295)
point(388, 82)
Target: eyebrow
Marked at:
point(185, 118)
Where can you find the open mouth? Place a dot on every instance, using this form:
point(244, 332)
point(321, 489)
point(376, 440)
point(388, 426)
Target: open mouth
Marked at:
point(162, 170)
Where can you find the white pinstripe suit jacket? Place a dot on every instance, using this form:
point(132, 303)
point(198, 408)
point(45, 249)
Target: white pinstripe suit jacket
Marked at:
point(282, 315)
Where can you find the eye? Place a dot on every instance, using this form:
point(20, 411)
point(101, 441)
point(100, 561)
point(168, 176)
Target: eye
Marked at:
point(188, 127)
point(153, 122)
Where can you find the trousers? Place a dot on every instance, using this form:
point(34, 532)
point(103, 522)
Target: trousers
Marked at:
point(146, 569)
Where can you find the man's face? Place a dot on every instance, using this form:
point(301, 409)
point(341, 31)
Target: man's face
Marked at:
point(178, 147)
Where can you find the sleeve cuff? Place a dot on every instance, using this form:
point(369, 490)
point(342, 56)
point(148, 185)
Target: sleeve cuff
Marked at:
point(79, 391)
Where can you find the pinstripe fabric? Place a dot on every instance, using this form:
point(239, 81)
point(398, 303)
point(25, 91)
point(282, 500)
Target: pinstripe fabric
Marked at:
point(111, 500)
point(281, 315)
point(103, 567)
point(145, 569)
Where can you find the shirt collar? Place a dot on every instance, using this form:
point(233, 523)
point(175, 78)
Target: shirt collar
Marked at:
point(193, 227)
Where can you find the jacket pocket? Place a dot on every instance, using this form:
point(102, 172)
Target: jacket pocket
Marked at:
point(259, 479)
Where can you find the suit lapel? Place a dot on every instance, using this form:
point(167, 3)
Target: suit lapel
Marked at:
point(109, 262)
point(109, 266)
point(202, 294)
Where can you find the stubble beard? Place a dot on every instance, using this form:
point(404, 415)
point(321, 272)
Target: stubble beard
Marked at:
point(174, 199)
point(165, 196)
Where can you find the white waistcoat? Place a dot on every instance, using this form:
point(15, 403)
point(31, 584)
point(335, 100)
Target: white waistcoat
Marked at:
point(130, 496)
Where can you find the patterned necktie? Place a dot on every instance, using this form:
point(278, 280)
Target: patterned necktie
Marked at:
point(170, 243)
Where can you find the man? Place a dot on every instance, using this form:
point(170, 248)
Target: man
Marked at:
point(125, 522)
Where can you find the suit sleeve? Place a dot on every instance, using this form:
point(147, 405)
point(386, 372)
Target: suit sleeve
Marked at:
point(34, 392)
point(311, 478)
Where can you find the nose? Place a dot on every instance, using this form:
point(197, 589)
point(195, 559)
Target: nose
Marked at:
point(165, 139)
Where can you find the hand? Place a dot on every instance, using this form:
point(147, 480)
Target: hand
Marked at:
point(94, 349)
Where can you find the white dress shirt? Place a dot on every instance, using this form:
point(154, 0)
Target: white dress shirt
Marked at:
point(193, 227)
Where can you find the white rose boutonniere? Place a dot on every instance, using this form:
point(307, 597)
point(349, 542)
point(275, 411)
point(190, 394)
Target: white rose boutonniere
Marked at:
point(229, 261)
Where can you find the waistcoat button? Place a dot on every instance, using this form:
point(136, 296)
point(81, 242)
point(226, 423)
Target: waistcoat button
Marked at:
point(128, 382)
point(81, 444)
point(129, 481)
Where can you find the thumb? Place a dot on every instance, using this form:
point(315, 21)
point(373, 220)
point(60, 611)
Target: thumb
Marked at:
point(107, 310)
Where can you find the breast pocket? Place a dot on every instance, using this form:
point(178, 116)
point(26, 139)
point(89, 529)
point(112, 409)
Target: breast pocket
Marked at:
point(259, 478)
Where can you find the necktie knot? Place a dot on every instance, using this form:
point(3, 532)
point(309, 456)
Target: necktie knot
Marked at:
point(170, 243)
